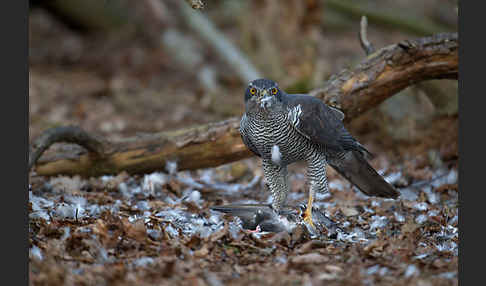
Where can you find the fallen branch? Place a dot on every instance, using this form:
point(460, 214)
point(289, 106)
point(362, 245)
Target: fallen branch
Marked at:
point(354, 91)
point(390, 70)
point(68, 134)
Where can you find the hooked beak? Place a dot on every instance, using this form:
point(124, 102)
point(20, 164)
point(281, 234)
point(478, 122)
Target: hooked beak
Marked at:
point(264, 99)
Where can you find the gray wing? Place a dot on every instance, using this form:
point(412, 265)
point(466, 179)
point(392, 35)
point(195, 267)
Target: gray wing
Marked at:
point(339, 114)
point(320, 123)
point(244, 132)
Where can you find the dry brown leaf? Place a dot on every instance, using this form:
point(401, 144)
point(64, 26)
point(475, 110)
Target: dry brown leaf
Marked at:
point(409, 227)
point(309, 258)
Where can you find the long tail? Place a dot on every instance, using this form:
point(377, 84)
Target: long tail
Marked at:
point(354, 167)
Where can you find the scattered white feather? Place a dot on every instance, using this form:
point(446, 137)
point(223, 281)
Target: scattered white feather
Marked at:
point(432, 197)
point(95, 210)
point(189, 181)
point(399, 217)
point(422, 206)
point(234, 227)
point(383, 271)
point(276, 155)
point(215, 218)
point(322, 196)
point(368, 210)
point(40, 214)
point(66, 234)
point(373, 269)
point(421, 219)
point(154, 233)
point(171, 231)
point(142, 206)
point(421, 256)
point(433, 213)
point(393, 177)
point(378, 222)
point(336, 185)
point(153, 182)
point(36, 253)
point(359, 234)
point(171, 167)
point(64, 211)
point(453, 220)
point(448, 246)
point(288, 225)
point(106, 178)
point(39, 203)
point(408, 194)
point(194, 196)
point(281, 259)
point(375, 203)
point(452, 177)
point(129, 191)
point(350, 237)
point(143, 261)
point(411, 270)
point(448, 275)
point(78, 203)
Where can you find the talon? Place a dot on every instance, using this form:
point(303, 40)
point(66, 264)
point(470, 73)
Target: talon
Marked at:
point(308, 217)
point(308, 211)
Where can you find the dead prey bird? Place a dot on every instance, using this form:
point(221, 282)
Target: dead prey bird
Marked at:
point(262, 218)
point(285, 128)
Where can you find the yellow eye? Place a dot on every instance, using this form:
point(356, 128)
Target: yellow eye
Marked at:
point(274, 91)
point(252, 90)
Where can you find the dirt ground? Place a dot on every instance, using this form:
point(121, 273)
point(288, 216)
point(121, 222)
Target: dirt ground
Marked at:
point(158, 229)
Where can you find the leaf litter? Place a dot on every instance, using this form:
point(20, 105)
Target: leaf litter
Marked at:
point(160, 228)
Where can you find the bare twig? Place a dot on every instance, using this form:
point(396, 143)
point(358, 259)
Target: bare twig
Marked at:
point(363, 37)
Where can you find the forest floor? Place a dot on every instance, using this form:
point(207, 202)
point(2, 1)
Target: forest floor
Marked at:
point(158, 228)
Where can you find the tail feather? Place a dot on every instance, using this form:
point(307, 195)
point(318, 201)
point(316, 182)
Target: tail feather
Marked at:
point(365, 151)
point(354, 167)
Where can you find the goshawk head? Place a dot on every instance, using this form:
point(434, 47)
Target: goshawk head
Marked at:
point(262, 94)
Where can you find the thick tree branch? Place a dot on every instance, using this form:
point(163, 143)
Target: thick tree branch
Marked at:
point(68, 134)
point(390, 70)
point(354, 91)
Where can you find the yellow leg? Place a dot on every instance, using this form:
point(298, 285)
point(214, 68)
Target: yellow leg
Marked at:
point(308, 211)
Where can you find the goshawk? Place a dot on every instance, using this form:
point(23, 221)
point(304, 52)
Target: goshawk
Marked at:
point(284, 128)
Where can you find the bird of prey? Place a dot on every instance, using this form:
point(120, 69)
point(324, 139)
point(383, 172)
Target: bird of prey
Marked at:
point(285, 128)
